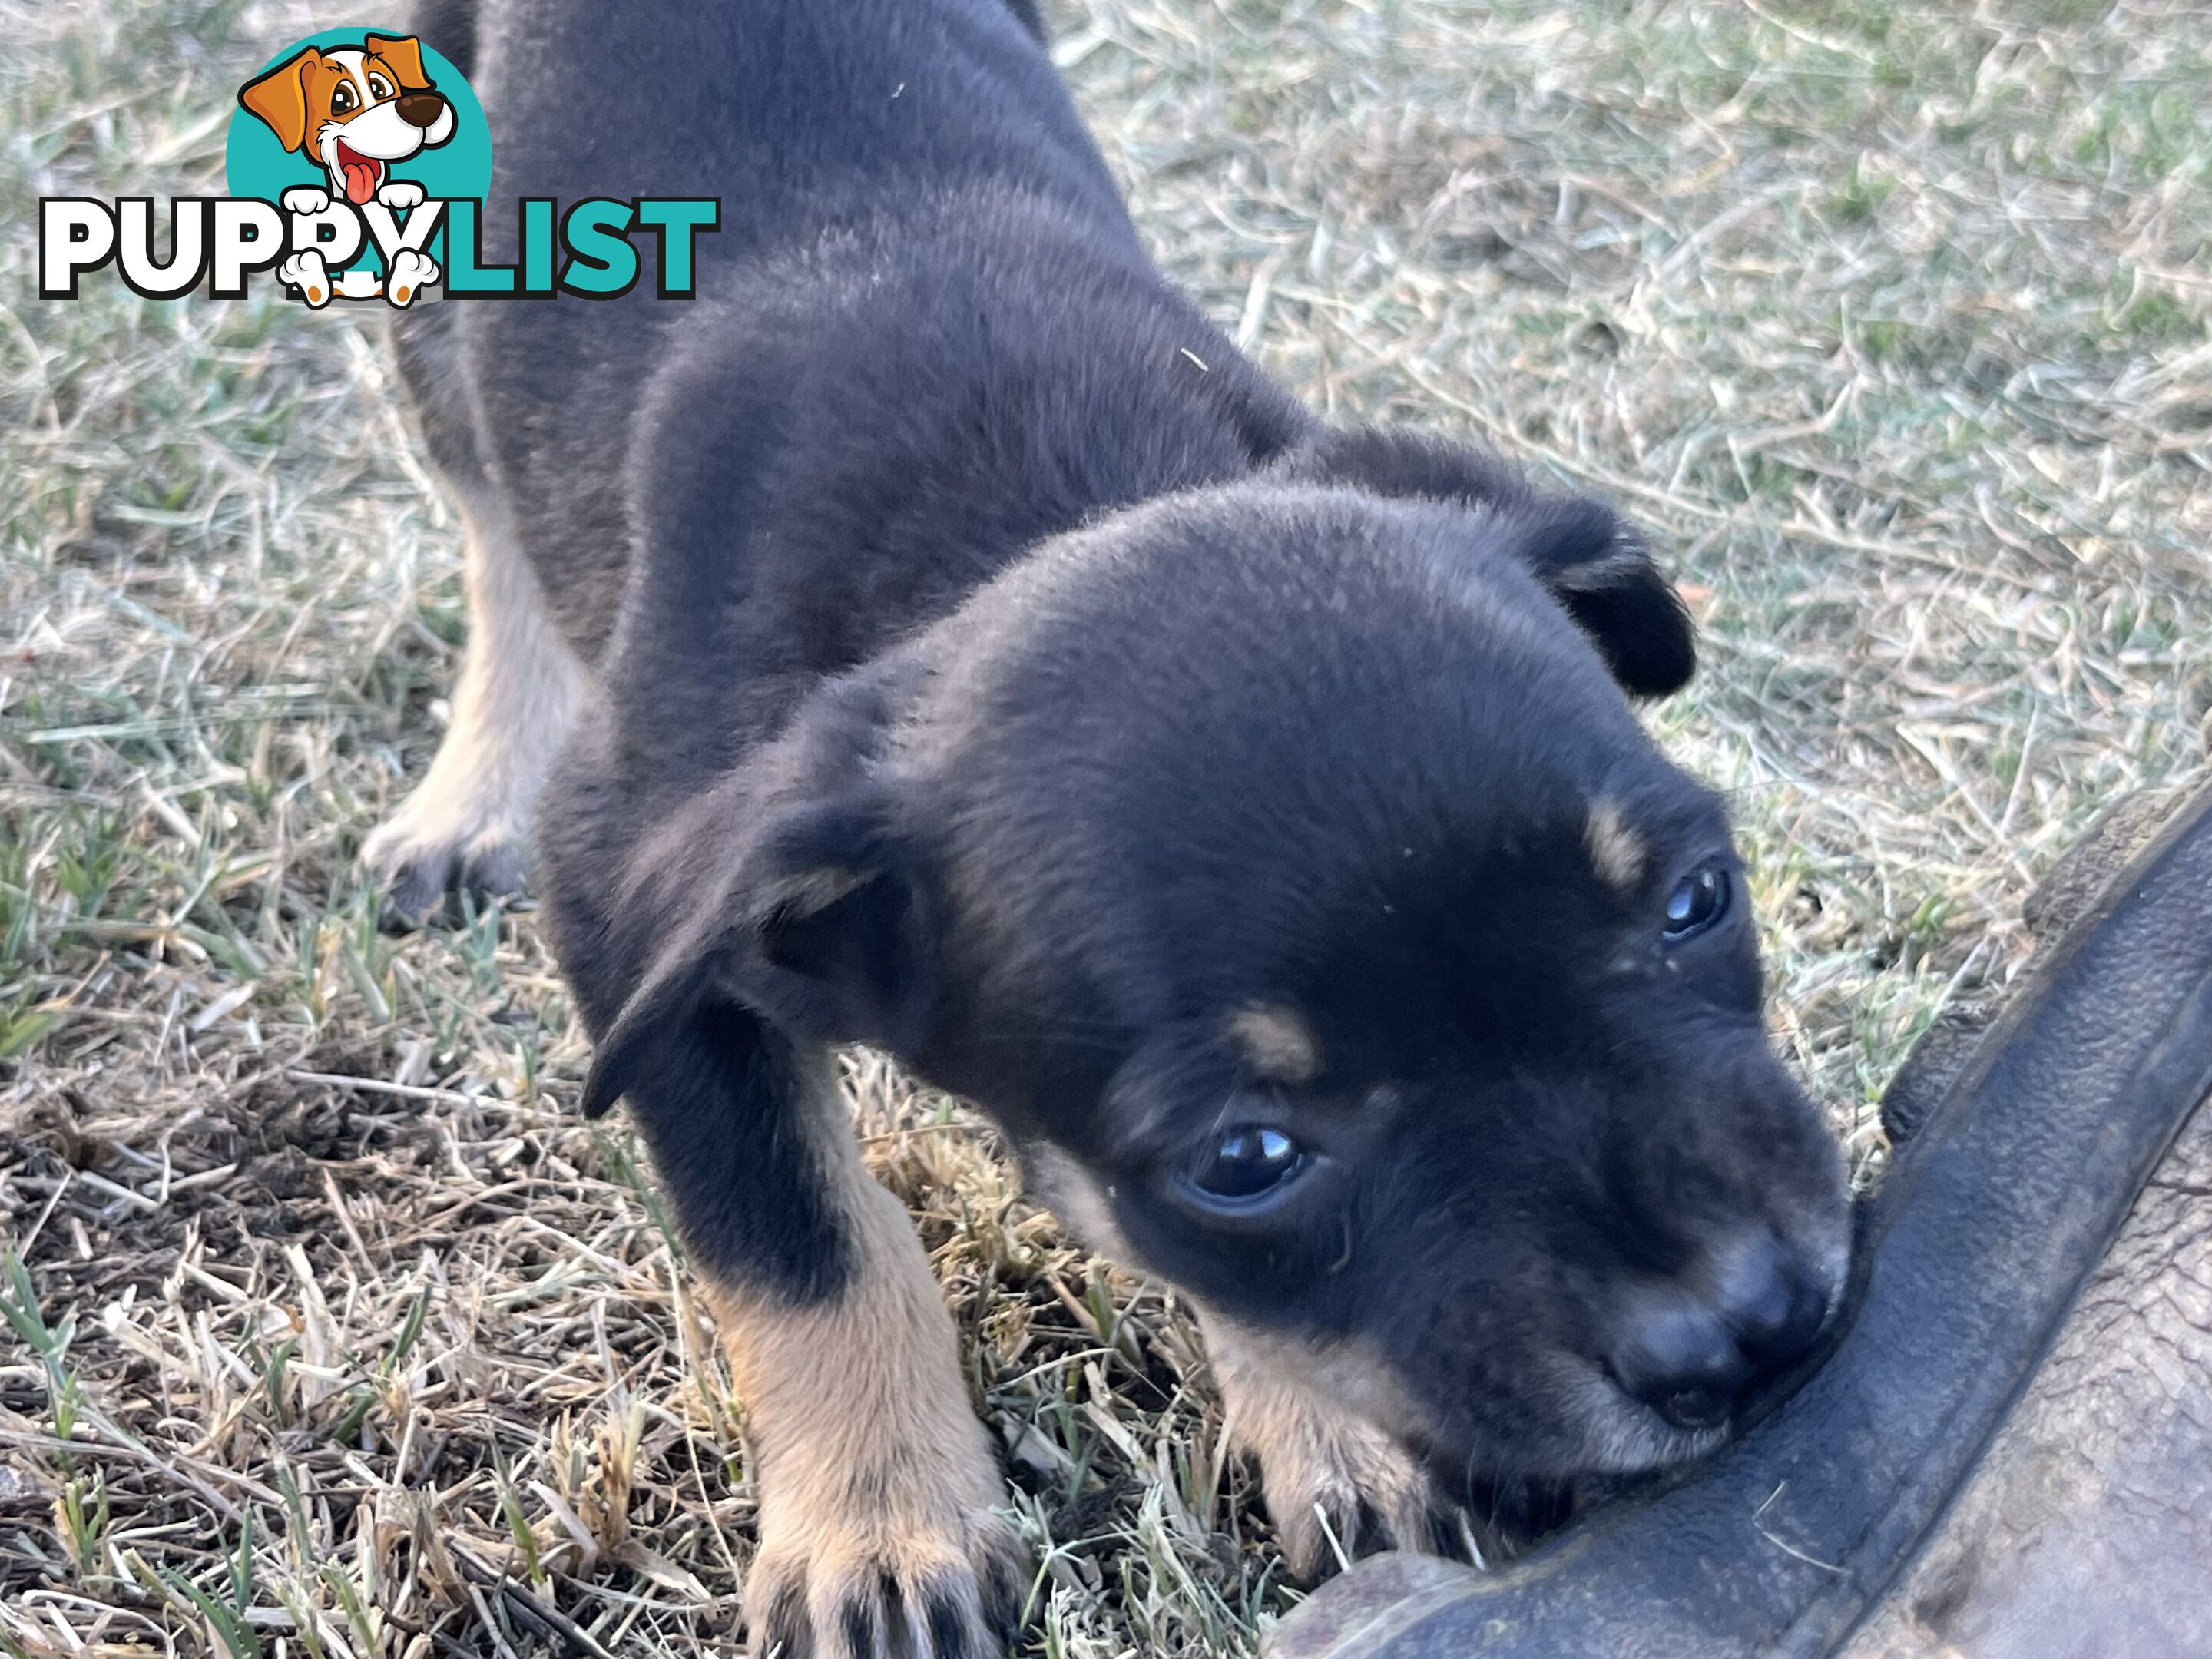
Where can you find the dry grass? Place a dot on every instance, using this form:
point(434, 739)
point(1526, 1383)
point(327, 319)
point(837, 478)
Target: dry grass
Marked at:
point(337, 1335)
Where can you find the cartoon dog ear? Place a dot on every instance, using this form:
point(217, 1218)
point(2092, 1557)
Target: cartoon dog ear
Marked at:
point(1593, 561)
point(280, 98)
point(404, 53)
point(805, 910)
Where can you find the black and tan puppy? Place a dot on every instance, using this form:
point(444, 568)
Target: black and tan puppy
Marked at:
point(949, 643)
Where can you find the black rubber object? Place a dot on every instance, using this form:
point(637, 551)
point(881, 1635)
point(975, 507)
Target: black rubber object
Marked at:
point(1996, 1212)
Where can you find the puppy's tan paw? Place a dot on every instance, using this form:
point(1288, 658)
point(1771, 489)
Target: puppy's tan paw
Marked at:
point(1334, 1482)
point(871, 1585)
point(878, 1537)
point(423, 859)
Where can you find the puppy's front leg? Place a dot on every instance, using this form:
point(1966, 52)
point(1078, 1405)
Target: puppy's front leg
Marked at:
point(876, 1531)
point(722, 946)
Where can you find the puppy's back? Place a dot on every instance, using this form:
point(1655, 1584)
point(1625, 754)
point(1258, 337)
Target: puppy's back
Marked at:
point(793, 112)
point(803, 118)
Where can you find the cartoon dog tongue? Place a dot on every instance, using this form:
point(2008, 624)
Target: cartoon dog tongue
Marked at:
point(361, 174)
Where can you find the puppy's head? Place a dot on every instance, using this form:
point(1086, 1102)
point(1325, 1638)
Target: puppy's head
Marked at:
point(1284, 867)
point(355, 109)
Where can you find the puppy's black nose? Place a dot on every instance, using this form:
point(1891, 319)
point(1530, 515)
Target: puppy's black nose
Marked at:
point(420, 109)
point(1690, 1356)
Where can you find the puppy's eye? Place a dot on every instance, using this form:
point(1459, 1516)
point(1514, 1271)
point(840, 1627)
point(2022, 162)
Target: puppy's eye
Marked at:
point(379, 88)
point(1698, 901)
point(1246, 1165)
point(341, 100)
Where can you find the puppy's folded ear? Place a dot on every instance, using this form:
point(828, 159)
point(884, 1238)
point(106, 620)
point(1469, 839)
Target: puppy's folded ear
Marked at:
point(280, 98)
point(803, 909)
point(404, 53)
point(1595, 563)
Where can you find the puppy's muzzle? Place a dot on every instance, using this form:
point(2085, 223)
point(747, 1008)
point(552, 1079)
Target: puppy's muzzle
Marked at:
point(1693, 1357)
point(421, 109)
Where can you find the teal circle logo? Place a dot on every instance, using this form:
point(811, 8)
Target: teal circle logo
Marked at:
point(369, 118)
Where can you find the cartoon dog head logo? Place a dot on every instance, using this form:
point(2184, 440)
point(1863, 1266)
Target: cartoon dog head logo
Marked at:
point(363, 138)
point(355, 110)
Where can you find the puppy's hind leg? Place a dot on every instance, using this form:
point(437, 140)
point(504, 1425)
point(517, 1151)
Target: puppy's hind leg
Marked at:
point(467, 823)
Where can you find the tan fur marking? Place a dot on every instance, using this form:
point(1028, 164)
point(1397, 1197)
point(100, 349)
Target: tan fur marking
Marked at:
point(517, 695)
point(1313, 1417)
point(870, 1460)
point(1615, 848)
point(1277, 1043)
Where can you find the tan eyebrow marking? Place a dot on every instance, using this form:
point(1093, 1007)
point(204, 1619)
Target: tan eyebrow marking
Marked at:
point(1615, 848)
point(1277, 1043)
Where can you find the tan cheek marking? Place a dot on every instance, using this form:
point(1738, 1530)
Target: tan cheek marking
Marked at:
point(1615, 848)
point(1277, 1043)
